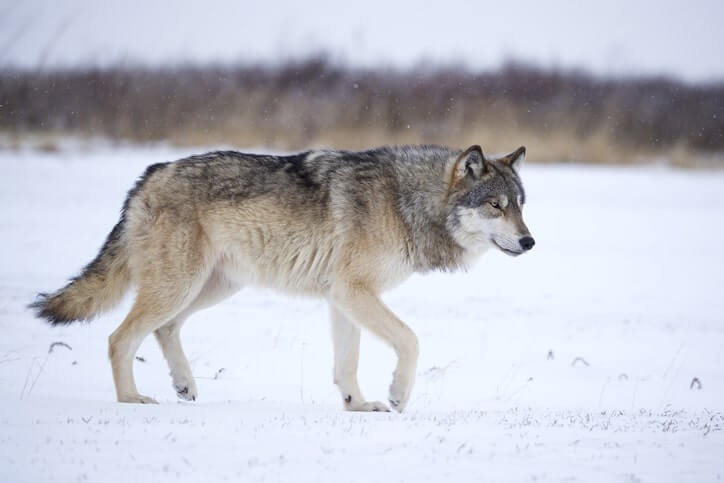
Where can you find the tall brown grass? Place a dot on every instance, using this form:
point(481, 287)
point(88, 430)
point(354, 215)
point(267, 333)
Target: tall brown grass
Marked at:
point(560, 116)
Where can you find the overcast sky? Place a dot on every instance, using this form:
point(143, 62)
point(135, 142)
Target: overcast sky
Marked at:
point(676, 38)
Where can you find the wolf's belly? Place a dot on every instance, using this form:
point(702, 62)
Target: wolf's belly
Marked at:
point(305, 270)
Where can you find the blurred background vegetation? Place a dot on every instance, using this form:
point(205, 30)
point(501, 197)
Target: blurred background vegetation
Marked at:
point(560, 115)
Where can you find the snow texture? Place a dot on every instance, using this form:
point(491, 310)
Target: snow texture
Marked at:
point(596, 357)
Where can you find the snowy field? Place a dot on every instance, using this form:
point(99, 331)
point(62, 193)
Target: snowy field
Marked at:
point(599, 356)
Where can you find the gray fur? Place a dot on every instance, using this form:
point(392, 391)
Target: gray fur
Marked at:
point(410, 178)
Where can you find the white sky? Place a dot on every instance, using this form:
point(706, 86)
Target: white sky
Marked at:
point(682, 39)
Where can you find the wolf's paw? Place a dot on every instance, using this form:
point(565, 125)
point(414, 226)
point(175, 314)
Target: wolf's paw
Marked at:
point(366, 406)
point(185, 386)
point(186, 392)
point(399, 394)
point(137, 399)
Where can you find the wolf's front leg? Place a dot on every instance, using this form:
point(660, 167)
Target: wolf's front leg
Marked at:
point(345, 336)
point(366, 309)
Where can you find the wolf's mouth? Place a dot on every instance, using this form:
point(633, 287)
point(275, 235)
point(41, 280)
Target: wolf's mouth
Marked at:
point(512, 253)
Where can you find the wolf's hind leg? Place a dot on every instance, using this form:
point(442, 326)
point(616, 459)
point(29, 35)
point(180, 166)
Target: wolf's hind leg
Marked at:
point(216, 289)
point(169, 338)
point(345, 336)
point(166, 287)
point(367, 310)
point(149, 312)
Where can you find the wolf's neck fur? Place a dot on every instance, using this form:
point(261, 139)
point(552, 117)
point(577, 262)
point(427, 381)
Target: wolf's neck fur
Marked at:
point(433, 246)
point(422, 190)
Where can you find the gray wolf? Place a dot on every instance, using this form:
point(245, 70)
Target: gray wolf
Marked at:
point(340, 225)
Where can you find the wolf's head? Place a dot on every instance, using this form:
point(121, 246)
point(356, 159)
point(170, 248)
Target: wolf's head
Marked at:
point(486, 200)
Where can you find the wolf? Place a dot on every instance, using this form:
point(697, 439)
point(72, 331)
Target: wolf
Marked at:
point(341, 225)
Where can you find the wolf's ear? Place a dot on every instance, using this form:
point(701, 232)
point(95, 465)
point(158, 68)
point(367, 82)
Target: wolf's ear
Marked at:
point(515, 159)
point(471, 163)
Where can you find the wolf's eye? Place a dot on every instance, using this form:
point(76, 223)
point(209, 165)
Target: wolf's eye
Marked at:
point(494, 204)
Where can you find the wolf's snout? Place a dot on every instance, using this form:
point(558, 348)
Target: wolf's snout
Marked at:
point(526, 242)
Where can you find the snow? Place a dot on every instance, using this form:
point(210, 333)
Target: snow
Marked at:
point(574, 362)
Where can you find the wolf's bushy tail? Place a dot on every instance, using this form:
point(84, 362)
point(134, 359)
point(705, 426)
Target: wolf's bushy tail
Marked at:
point(98, 288)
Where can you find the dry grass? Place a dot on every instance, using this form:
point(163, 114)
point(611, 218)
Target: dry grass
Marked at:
point(559, 116)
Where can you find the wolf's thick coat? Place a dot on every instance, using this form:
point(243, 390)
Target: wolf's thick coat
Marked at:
point(341, 225)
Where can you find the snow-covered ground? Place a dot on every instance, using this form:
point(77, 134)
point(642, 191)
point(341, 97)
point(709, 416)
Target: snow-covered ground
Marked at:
point(576, 362)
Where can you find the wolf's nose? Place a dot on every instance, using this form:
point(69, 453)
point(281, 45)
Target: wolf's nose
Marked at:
point(527, 242)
